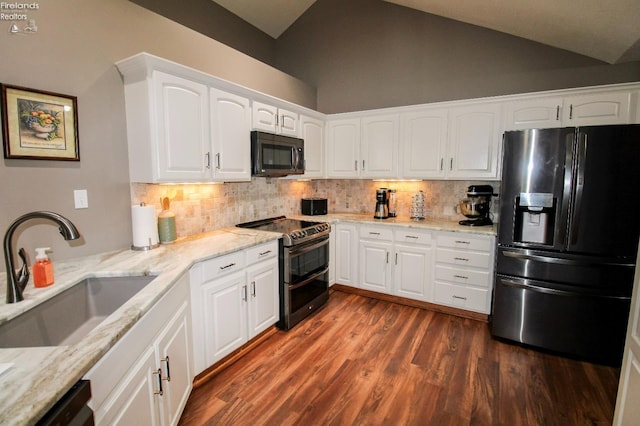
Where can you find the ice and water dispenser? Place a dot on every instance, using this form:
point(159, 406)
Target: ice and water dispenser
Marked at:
point(534, 217)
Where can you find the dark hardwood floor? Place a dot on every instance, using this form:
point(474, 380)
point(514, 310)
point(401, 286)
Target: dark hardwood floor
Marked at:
point(362, 361)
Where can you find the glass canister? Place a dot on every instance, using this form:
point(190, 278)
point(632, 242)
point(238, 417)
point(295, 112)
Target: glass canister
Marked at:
point(393, 203)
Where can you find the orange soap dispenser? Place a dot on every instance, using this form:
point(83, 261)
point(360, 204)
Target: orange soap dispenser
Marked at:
point(42, 269)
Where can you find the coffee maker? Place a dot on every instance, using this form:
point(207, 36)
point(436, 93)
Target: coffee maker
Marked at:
point(476, 206)
point(382, 204)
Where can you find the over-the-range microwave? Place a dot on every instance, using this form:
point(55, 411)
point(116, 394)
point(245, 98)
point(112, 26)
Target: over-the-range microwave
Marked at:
point(276, 155)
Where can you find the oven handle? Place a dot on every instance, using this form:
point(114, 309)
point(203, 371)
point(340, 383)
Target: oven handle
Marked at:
point(307, 247)
point(308, 280)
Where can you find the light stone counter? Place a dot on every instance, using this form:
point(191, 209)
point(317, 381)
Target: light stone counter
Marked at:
point(41, 376)
point(428, 224)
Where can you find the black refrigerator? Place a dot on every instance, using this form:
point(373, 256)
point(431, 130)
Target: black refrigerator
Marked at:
point(567, 239)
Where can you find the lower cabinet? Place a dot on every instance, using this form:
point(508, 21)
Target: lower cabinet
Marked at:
point(146, 378)
point(447, 268)
point(464, 271)
point(235, 297)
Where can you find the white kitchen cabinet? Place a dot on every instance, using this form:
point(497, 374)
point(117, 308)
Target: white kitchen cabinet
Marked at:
point(147, 376)
point(230, 156)
point(464, 271)
point(363, 147)
point(234, 298)
point(167, 129)
point(424, 143)
point(474, 141)
point(313, 135)
point(376, 249)
point(272, 119)
point(588, 109)
point(413, 264)
point(346, 264)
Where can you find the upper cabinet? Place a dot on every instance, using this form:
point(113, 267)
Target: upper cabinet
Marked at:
point(275, 120)
point(230, 117)
point(364, 147)
point(312, 131)
point(462, 142)
point(588, 109)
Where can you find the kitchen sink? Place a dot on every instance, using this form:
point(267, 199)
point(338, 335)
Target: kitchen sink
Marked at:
point(69, 316)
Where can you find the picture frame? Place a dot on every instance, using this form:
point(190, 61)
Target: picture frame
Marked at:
point(39, 125)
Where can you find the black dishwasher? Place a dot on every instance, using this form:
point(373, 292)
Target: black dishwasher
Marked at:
point(72, 408)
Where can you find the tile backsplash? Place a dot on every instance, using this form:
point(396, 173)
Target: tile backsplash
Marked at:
point(207, 207)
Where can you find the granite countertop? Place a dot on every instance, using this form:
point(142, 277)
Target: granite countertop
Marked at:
point(404, 221)
point(37, 377)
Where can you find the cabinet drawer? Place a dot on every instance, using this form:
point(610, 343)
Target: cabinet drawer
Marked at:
point(412, 236)
point(473, 277)
point(463, 258)
point(465, 241)
point(223, 265)
point(376, 233)
point(474, 299)
point(261, 252)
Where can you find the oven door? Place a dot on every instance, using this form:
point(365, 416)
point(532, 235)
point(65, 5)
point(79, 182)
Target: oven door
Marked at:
point(306, 280)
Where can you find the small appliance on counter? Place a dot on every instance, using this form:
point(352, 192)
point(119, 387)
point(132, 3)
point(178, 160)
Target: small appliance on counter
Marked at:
point(382, 204)
point(392, 203)
point(476, 206)
point(314, 206)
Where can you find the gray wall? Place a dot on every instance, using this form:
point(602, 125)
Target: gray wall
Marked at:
point(73, 53)
point(363, 54)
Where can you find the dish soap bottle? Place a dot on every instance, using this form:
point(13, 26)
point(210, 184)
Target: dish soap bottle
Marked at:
point(42, 269)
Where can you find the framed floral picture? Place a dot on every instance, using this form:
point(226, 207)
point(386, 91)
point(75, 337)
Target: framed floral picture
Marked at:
point(39, 125)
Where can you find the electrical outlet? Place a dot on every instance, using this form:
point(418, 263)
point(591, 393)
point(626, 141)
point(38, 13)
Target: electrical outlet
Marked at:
point(81, 198)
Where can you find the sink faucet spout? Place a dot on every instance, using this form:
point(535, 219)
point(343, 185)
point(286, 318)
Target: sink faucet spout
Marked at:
point(16, 282)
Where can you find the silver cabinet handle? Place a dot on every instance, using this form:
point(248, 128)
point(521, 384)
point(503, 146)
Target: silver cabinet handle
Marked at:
point(411, 236)
point(355, 165)
point(396, 258)
point(461, 276)
point(218, 161)
point(387, 257)
point(159, 373)
point(264, 253)
point(253, 289)
point(462, 242)
point(374, 233)
point(207, 160)
point(451, 164)
point(461, 258)
point(362, 164)
point(227, 266)
point(244, 293)
point(166, 359)
point(441, 164)
point(557, 112)
point(571, 112)
point(459, 297)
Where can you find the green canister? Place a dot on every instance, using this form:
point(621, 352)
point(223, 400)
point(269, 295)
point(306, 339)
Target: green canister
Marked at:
point(166, 223)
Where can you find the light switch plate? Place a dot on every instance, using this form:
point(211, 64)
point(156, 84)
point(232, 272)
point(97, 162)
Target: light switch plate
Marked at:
point(81, 198)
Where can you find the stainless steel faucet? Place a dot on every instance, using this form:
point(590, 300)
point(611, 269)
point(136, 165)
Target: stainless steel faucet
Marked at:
point(16, 282)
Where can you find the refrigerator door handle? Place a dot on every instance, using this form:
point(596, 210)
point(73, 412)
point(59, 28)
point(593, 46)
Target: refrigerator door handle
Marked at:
point(554, 291)
point(579, 186)
point(560, 261)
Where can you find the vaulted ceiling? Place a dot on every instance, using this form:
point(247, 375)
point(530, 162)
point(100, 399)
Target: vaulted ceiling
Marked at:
point(604, 30)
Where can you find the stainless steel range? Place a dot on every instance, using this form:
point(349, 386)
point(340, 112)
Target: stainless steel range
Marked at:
point(304, 270)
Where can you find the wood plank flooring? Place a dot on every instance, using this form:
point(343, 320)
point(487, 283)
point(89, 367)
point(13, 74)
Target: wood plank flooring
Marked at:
point(362, 361)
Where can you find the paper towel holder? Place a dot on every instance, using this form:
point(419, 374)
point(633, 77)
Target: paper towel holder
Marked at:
point(149, 246)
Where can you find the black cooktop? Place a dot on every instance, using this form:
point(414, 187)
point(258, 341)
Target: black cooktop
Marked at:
point(278, 224)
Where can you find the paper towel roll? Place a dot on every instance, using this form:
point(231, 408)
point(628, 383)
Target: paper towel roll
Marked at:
point(145, 228)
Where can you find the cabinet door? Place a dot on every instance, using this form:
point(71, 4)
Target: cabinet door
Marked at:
point(263, 296)
point(182, 127)
point(230, 128)
point(475, 136)
point(313, 135)
point(597, 109)
point(423, 143)
point(135, 401)
point(288, 123)
point(374, 266)
point(346, 254)
point(412, 273)
point(264, 117)
point(225, 328)
point(534, 114)
point(379, 146)
point(173, 351)
point(343, 148)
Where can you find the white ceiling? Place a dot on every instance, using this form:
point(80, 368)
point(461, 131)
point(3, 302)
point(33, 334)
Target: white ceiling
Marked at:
point(600, 29)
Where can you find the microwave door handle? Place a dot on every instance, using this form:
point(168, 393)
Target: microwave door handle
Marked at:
point(294, 161)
